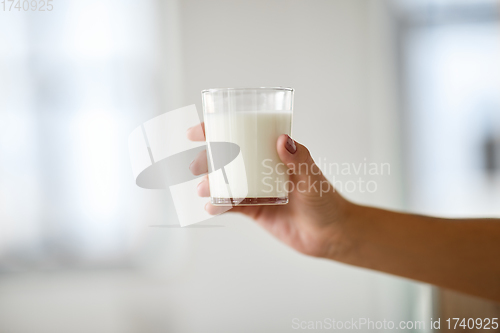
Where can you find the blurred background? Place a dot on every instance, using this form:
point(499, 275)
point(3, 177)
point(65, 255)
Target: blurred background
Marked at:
point(82, 249)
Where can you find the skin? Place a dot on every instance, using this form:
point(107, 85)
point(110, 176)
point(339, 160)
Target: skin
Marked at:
point(459, 254)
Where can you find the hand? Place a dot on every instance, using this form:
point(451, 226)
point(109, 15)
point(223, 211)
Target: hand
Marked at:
point(318, 221)
point(313, 220)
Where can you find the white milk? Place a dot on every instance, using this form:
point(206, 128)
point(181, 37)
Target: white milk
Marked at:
point(255, 132)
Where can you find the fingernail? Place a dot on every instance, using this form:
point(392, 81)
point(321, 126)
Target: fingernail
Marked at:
point(206, 205)
point(198, 186)
point(191, 164)
point(290, 145)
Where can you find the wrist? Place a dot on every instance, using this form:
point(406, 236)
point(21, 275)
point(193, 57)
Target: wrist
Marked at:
point(343, 243)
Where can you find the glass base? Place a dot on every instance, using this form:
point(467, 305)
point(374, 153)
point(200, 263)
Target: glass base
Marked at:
point(248, 201)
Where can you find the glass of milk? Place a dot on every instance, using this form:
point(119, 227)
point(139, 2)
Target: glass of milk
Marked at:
point(242, 126)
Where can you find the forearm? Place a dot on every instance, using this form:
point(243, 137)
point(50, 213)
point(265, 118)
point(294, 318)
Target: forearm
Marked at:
point(458, 254)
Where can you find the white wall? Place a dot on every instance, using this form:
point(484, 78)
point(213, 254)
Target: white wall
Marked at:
point(338, 57)
point(235, 277)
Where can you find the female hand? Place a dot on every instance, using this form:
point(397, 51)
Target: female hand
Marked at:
point(318, 221)
point(313, 220)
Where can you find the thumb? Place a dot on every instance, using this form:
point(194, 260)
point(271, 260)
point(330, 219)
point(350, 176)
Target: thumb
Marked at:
point(297, 158)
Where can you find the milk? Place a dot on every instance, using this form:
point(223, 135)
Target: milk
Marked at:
point(256, 133)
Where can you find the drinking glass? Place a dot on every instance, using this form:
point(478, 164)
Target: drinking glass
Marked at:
point(242, 126)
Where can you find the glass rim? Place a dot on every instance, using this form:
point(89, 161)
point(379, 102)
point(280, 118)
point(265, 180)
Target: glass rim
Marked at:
point(212, 90)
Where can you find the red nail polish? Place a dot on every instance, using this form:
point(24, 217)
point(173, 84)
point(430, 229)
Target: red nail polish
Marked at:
point(290, 145)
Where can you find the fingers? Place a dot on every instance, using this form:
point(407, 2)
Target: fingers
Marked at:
point(251, 211)
point(298, 160)
point(199, 165)
point(292, 153)
point(216, 210)
point(203, 188)
point(196, 133)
